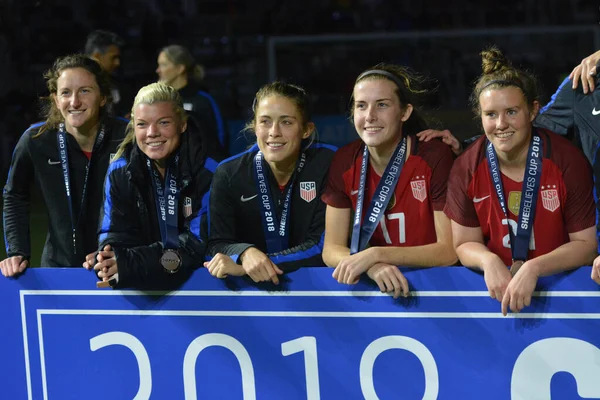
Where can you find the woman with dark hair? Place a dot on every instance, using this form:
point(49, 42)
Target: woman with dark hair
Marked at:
point(177, 68)
point(518, 197)
point(394, 184)
point(266, 216)
point(66, 157)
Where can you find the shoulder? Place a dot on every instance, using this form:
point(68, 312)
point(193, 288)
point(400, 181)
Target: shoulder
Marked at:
point(560, 150)
point(432, 151)
point(33, 134)
point(116, 127)
point(348, 154)
point(117, 166)
point(471, 158)
point(237, 162)
point(321, 151)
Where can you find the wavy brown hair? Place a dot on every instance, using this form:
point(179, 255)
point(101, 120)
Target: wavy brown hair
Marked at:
point(49, 110)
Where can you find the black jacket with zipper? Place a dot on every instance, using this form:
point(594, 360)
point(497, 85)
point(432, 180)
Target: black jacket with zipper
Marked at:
point(36, 161)
point(129, 220)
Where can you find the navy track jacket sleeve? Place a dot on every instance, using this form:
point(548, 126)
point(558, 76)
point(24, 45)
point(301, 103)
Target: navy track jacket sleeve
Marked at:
point(222, 231)
point(16, 196)
point(139, 263)
point(309, 252)
point(557, 116)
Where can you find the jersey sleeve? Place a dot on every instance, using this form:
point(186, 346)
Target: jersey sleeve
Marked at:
point(459, 205)
point(440, 158)
point(335, 194)
point(579, 205)
point(557, 116)
point(16, 196)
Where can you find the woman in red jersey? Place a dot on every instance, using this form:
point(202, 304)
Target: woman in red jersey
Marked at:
point(396, 184)
point(518, 196)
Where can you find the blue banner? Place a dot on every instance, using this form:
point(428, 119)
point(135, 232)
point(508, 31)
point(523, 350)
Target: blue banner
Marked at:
point(309, 338)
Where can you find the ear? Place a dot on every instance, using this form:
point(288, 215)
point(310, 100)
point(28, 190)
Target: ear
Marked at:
point(96, 56)
point(310, 128)
point(180, 69)
point(55, 98)
point(184, 127)
point(408, 109)
point(534, 110)
point(103, 101)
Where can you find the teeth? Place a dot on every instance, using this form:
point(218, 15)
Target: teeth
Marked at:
point(154, 144)
point(504, 135)
point(275, 144)
point(371, 129)
point(75, 112)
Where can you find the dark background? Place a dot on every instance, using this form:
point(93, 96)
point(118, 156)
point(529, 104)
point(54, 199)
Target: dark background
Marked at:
point(322, 45)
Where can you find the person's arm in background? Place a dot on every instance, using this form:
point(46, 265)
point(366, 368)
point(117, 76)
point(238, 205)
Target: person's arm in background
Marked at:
point(15, 214)
point(586, 71)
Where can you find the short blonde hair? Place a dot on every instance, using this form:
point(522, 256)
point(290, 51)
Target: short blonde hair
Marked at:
point(150, 94)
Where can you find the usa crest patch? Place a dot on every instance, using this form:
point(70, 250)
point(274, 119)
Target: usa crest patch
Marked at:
point(187, 207)
point(419, 190)
point(308, 191)
point(550, 199)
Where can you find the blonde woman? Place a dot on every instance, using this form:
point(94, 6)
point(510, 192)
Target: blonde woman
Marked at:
point(152, 229)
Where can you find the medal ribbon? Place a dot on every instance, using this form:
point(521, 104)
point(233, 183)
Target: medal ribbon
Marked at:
point(533, 172)
point(384, 192)
point(61, 139)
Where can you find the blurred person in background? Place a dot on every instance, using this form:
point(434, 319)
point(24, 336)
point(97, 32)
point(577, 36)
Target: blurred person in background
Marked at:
point(67, 157)
point(177, 68)
point(105, 47)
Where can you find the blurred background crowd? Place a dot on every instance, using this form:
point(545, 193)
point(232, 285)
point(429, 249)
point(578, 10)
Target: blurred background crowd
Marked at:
point(320, 44)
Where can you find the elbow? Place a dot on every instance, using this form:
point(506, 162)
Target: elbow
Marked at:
point(327, 255)
point(448, 255)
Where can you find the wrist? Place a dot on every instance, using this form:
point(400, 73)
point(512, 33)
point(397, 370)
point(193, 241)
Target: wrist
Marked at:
point(533, 266)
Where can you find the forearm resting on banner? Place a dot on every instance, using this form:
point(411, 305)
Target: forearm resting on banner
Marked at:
point(579, 251)
point(440, 253)
point(337, 234)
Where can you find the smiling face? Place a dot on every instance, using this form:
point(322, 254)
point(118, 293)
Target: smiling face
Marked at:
point(78, 99)
point(279, 129)
point(506, 118)
point(158, 130)
point(378, 114)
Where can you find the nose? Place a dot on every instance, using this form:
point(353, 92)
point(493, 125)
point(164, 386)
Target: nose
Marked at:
point(371, 115)
point(275, 130)
point(152, 131)
point(75, 101)
point(501, 122)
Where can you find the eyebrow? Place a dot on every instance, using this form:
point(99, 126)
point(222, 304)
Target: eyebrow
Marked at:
point(365, 101)
point(282, 116)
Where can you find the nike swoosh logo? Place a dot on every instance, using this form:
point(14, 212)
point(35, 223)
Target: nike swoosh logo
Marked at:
point(50, 162)
point(245, 199)
point(594, 112)
point(353, 192)
point(479, 199)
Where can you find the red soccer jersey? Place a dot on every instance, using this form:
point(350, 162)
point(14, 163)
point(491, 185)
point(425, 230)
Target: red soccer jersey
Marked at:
point(565, 203)
point(421, 190)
